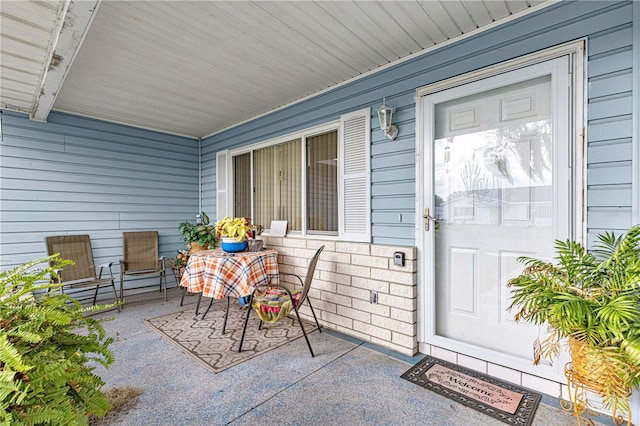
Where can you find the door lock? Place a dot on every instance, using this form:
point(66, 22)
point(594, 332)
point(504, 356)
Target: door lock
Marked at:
point(428, 218)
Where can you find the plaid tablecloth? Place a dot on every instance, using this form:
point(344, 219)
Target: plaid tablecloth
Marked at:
point(218, 274)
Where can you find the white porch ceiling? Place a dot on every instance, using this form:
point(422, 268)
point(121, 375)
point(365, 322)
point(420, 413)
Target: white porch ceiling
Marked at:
point(196, 68)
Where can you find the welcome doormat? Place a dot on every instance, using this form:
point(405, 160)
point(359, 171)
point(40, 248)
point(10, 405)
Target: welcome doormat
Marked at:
point(203, 339)
point(496, 398)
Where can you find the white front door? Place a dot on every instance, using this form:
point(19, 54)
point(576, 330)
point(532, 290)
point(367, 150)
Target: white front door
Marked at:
point(497, 179)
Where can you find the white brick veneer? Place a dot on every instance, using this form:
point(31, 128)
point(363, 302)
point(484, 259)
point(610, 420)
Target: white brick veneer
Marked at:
point(345, 274)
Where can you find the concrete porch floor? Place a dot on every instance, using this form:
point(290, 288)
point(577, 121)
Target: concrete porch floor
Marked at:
point(347, 383)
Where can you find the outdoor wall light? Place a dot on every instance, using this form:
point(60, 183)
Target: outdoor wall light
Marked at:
point(385, 113)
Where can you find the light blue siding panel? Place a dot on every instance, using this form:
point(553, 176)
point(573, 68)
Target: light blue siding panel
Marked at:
point(605, 196)
point(399, 231)
point(126, 205)
point(80, 188)
point(609, 218)
point(618, 105)
point(406, 172)
point(607, 152)
point(17, 133)
point(611, 84)
point(610, 63)
point(389, 147)
point(615, 128)
point(393, 159)
point(400, 217)
point(615, 39)
point(393, 188)
point(94, 175)
point(609, 174)
point(406, 203)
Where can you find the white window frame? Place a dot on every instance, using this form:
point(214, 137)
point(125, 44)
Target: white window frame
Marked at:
point(302, 135)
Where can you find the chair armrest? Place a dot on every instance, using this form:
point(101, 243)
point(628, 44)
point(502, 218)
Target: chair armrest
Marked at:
point(58, 272)
point(100, 268)
point(291, 275)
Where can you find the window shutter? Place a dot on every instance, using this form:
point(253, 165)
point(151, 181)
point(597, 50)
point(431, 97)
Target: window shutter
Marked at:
point(355, 176)
point(222, 206)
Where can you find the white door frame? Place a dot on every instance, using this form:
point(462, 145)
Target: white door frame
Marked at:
point(575, 52)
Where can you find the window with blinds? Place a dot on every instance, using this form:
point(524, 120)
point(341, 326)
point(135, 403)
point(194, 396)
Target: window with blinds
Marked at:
point(278, 182)
point(322, 183)
point(317, 180)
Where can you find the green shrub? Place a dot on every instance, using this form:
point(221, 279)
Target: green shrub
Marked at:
point(48, 351)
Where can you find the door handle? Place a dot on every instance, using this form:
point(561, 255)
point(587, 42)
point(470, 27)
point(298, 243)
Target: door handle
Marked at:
point(427, 217)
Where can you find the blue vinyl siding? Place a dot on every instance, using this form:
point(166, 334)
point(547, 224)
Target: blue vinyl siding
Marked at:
point(74, 175)
point(608, 27)
point(610, 129)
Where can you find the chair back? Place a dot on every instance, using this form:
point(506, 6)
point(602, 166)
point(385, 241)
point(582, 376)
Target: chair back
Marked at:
point(140, 250)
point(76, 248)
point(310, 271)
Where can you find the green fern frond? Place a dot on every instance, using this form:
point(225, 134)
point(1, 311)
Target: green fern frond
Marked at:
point(48, 351)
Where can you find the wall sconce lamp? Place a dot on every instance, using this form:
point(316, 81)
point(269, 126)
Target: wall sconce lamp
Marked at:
point(385, 113)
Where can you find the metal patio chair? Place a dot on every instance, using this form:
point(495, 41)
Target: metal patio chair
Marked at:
point(84, 273)
point(273, 302)
point(140, 257)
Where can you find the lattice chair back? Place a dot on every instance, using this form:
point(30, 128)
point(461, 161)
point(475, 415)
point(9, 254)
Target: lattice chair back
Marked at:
point(140, 251)
point(78, 249)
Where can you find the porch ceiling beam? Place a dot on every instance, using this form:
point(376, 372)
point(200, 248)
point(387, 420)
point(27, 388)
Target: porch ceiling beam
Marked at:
point(73, 25)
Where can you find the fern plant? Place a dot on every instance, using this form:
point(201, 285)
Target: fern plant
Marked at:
point(592, 297)
point(48, 350)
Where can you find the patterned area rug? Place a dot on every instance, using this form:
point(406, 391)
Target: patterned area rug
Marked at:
point(204, 341)
point(496, 398)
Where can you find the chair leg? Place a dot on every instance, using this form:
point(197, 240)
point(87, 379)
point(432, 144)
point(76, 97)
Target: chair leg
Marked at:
point(303, 331)
point(95, 295)
point(164, 278)
point(115, 294)
point(121, 287)
point(314, 315)
point(244, 330)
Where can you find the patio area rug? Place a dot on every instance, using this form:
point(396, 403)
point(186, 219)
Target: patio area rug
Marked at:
point(203, 339)
point(496, 398)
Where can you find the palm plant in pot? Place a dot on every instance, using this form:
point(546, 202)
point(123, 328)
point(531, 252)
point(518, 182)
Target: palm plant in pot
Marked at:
point(593, 299)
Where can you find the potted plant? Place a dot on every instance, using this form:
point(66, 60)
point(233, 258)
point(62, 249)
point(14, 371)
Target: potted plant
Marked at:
point(198, 237)
point(233, 231)
point(593, 299)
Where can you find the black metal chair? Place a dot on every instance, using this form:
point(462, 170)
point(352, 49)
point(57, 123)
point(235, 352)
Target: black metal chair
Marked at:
point(273, 302)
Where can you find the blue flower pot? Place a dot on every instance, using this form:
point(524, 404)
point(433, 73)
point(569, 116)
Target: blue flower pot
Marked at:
point(233, 246)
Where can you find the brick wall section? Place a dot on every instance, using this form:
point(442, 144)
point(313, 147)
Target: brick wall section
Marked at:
point(345, 275)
